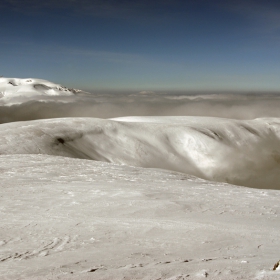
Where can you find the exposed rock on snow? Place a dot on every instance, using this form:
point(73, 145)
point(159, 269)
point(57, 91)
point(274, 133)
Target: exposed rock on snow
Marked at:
point(277, 266)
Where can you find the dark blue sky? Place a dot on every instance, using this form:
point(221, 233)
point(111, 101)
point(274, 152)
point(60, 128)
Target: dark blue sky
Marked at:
point(143, 45)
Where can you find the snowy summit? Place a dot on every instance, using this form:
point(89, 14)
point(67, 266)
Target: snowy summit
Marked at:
point(12, 88)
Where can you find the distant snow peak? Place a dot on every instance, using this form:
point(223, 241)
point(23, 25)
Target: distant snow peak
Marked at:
point(13, 88)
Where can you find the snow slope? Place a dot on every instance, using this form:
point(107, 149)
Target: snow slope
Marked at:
point(239, 152)
point(65, 218)
point(14, 90)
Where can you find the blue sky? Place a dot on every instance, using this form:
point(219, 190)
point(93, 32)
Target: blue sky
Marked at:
point(143, 45)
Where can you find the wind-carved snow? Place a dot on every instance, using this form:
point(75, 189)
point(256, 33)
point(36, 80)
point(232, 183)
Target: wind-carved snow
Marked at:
point(239, 152)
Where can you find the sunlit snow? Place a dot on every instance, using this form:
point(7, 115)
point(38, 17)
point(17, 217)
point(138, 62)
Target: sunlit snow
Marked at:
point(15, 90)
point(135, 197)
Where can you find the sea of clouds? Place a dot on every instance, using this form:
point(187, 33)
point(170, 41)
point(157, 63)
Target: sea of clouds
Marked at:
point(111, 105)
point(31, 99)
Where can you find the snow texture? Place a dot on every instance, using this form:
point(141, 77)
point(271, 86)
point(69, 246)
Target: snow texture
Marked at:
point(239, 152)
point(90, 198)
point(15, 90)
point(65, 218)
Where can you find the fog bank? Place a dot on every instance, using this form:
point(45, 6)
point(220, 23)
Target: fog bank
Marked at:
point(235, 106)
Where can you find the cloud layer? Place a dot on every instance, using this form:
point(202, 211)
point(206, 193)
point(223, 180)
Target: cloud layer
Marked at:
point(236, 106)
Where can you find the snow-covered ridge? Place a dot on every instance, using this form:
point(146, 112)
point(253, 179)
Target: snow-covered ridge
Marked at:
point(15, 87)
point(67, 217)
point(239, 152)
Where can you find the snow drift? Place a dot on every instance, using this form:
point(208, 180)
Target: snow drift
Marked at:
point(239, 152)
